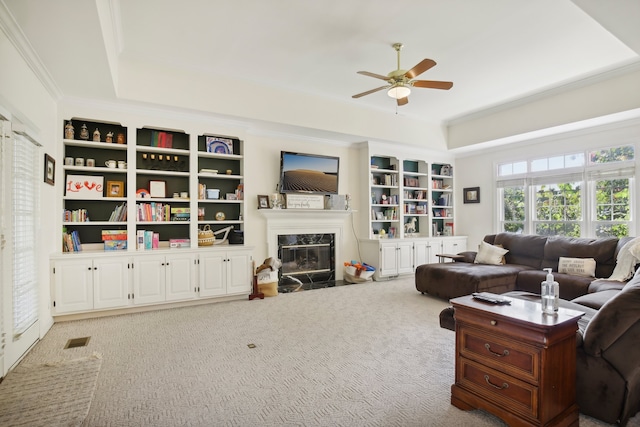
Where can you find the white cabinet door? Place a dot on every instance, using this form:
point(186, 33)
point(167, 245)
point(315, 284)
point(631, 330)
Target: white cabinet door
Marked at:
point(239, 276)
point(212, 274)
point(454, 245)
point(111, 282)
point(180, 272)
point(405, 257)
point(149, 280)
point(388, 259)
point(73, 282)
point(422, 252)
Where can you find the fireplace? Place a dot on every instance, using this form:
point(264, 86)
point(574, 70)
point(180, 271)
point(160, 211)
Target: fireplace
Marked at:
point(308, 261)
point(287, 222)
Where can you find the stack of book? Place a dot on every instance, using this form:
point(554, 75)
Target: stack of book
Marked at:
point(161, 139)
point(153, 211)
point(147, 239)
point(71, 241)
point(77, 215)
point(180, 214)
point(119, 213)
point(114, 240)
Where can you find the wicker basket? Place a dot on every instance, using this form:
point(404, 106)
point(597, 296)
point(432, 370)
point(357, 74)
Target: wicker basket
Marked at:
point(205, 236)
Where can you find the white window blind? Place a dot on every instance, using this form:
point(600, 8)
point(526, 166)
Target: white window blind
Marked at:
point(25, 198)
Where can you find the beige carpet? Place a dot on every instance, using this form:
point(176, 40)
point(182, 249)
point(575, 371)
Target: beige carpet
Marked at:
point(368, 354)
point(51, 394)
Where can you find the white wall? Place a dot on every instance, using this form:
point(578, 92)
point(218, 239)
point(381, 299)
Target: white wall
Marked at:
point(477, 169)
point(27, 100)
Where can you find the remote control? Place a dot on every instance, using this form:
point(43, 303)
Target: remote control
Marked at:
point(492, 298)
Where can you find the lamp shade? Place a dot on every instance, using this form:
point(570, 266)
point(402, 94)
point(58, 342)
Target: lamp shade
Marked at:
point(399, 91)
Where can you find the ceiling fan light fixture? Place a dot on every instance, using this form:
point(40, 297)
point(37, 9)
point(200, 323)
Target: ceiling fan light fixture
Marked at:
point(399, 92)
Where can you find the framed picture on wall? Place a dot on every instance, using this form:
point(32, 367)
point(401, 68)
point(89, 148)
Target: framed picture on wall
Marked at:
point(49, 170)
point(471, 195)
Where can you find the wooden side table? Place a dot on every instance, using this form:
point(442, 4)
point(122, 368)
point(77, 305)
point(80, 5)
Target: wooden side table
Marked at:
point(516, 362)
point(443, 257)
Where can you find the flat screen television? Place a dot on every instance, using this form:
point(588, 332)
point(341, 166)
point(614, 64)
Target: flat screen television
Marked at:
point(308, 173)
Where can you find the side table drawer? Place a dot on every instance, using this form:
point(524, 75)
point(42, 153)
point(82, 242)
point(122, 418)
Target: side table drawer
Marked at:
point(509, 356)
point(504, 390)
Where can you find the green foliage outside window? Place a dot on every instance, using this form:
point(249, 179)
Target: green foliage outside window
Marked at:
point(616, 154)
point(514, 209)
point(557, 205)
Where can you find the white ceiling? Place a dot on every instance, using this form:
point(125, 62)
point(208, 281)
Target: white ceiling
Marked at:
point(495, 51)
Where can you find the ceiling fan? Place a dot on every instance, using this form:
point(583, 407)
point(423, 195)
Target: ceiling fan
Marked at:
point(399, 82)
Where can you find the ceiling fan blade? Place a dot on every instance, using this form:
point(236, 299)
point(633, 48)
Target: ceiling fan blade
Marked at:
point(432, 84)
point(377, 76)
point(370, 91)
point(403, 101)
point(420, 68)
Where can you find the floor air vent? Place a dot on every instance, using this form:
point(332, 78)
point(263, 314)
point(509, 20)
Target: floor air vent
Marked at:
point(77, 342)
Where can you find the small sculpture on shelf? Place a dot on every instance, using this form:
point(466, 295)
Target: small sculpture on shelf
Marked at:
point(84, 132)
point(109, 137)
point(96, 135)
point(120, 138)
point(69, 131)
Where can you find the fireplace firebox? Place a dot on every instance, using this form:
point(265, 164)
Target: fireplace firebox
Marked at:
point(308, 261)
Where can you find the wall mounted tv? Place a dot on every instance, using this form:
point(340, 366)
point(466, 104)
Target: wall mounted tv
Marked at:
point(308, 173)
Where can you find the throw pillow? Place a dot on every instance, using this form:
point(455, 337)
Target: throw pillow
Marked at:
point(489, 254)
point(577, 266)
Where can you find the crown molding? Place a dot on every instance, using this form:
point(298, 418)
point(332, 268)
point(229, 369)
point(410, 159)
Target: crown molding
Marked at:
point(16, 36)
point(619, 70)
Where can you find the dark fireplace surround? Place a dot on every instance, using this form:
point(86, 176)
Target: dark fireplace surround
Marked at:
point(308, 261)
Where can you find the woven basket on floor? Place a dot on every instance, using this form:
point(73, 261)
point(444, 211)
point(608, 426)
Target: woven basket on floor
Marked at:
point(205, 236)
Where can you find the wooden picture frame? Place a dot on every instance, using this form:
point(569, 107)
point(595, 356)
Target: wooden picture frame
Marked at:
point(263, 201)
point(115, 189)
point(49, 170)
point(471, 195)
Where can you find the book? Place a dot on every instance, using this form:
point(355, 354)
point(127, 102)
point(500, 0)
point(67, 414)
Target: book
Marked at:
point(148, 239)
point(140, 239)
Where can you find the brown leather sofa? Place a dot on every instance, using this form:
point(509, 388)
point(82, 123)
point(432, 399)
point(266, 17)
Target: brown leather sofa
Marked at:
point(523, 268)
point(608, 354)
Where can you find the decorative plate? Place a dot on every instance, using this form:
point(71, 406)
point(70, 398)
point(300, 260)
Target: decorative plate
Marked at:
point(220, 216)
point(219, 145)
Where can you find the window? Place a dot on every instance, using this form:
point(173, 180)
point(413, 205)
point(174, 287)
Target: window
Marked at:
point(566, 195)
point(24, 194)
point(513, 214)
point(558, 209)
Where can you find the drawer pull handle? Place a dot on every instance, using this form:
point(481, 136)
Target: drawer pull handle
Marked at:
point(504, 353)
point(503, 387)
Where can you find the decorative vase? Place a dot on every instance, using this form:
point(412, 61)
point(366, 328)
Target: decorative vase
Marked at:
point(69, 131)
point(84, 132)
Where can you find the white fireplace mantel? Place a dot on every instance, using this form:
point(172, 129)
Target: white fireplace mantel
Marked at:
point(307, 221)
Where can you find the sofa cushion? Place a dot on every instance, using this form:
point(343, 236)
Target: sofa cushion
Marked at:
point(597, 299)
point(570, 286)
point(490, 254)
point(600, 285)
point(602, 250)
point(577, 266)
point(617, 316)
point(523, 249)
point(455, 279)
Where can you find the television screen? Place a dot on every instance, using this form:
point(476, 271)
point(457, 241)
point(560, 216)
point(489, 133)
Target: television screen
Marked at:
point(308, 173)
